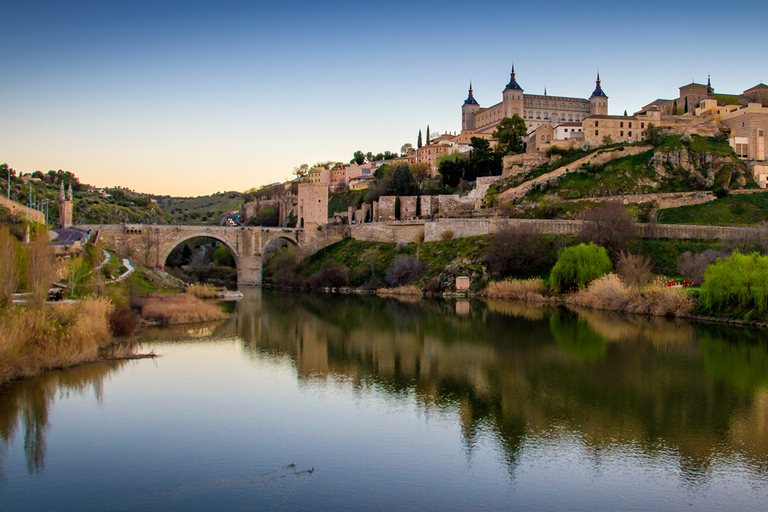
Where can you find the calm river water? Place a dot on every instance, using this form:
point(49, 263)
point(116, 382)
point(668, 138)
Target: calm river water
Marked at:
point(432, 405)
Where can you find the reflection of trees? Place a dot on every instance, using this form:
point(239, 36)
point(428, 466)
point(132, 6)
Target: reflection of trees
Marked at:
point(26, 404)
point(637, 380)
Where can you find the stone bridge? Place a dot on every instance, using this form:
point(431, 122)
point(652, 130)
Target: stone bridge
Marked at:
point(150, 245)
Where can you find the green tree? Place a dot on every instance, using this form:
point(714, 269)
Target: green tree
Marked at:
point(451, 169)
point(419, 143)
point(405, 148)
point(483, 161)
point(402, 183)
point(358, 158)
point(510, 133)
point(578, 266)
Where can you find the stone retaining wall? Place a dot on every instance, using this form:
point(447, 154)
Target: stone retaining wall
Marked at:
point(21, 211)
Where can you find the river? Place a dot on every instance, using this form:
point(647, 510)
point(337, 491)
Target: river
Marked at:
point(326, 402)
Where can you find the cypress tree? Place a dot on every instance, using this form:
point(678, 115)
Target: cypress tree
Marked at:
point(427, 134)
point(418, 144)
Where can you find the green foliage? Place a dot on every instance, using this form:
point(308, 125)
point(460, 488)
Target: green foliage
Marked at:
point(451, 168)
point(192, 210)
point(578, 266)
point(737, 287)
point(510, 134)
point(222, 256)
point(727, 99)
point(358, 158)
point(483, 161)
point(340, 201)
point(653, 134)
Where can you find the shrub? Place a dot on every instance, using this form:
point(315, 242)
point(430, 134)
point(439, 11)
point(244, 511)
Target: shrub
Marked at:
point(203, 291)
point(404, 270)
point(122, 320)
point(693, 266)
point(330, 275)
point(9, 276)
point(633, 269)
point(610, 226)
point(447, 235)
point(517, 251)
point(280, 268)
point(578, 266)
point(177, 308)
point(609, 292)
point(737, 286)
point(721, 193)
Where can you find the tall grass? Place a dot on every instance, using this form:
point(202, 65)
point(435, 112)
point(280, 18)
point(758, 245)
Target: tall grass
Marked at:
point(34, 339)
point(9, 274)
point(176, 308)
point(203, 291)
point(609, 292)
point(523, 289)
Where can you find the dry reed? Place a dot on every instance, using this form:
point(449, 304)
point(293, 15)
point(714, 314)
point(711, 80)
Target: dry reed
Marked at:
point(400, 290)
point(34, 339)
point(178, 308)
point(609, 292)
point(203, 291)
point(522, 289)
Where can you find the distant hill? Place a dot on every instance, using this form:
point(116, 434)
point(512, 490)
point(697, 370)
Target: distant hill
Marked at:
point(198, 210)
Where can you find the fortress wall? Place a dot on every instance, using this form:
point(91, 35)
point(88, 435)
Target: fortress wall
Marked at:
point(387, 208)
point(408, 207)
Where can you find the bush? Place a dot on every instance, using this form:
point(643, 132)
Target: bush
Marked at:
point(447, 235)
point(330, 275)
point(122, 320)
point(721, 193)
point(517, 251)
point(633, 269)
point(693, 266)
point(737, 286)
point(578, 266)
point(609, 292)
point(404, 270)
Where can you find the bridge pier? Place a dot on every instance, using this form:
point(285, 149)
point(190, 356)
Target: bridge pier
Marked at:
point(249, 271)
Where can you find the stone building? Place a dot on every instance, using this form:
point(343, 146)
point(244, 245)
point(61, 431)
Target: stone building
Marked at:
point(535, 109)
point(65, 207)
point(312, 206)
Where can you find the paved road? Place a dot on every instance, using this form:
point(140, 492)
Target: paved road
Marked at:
point(69, 236)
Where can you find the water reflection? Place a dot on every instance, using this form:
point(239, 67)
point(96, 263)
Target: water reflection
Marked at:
point(662, 386)
point(25, 405)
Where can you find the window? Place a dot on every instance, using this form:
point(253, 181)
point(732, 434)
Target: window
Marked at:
point(595, 124)
point(549, 137)
point(542, 137)
point(621, 124)
point(630, 124)
point(621, 133)
point(642, 125)
point(596, 133)
point(760, 133)
point(630, 134)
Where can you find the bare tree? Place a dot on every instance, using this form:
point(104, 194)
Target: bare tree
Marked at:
point(40, 268)
point(610, 226)
point(9, 275)
point(77, 271)
point(148, 240)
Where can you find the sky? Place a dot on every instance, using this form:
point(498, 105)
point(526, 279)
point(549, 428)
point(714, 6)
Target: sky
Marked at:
point(191, 98)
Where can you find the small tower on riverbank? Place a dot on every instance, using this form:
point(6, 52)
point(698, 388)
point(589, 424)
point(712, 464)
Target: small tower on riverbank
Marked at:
point(65, 207)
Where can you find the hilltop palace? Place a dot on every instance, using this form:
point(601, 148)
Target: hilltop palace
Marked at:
point(535, 109)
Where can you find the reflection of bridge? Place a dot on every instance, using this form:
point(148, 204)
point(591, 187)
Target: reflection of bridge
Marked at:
point(150, 245)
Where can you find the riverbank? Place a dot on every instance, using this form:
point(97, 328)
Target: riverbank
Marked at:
point(33, 340)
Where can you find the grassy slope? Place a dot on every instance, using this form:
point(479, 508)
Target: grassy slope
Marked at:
point(733, 210)
point(201, 209)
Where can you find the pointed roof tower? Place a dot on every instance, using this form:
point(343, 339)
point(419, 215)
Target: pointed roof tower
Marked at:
point(470, 99)
point(512, 82)
point(62, 197)
point(598, 90)
point(710, 89)
point(69, 193)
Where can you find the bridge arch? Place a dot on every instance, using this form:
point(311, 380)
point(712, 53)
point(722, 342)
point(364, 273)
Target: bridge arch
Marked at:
point(185, 237)
point(274, 245)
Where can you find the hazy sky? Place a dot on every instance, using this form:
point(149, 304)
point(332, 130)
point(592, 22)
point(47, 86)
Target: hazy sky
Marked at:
point(191, 98)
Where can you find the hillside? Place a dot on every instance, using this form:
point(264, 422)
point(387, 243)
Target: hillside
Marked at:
point(199, 210)
point(561, 189)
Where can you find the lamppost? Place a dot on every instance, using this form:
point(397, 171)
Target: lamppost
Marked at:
point(45, 203)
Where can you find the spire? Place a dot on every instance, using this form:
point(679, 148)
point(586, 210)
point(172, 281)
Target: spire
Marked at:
point(470, 99)
point(545, 90)
point(598, 90)
point(69, 193)
point(512, 82)
point(710, 90)
point(62, 197)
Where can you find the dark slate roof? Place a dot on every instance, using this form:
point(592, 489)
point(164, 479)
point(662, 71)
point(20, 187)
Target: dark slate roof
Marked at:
point(470, 99)
point(598, 90)
point(512, 82)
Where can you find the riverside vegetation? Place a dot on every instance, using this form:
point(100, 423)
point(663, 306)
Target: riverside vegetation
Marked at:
point(36, 335)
